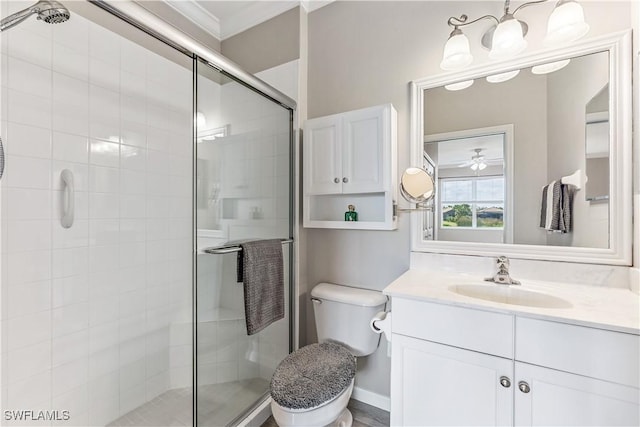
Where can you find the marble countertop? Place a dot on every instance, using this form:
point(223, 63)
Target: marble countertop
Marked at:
point(614, 309)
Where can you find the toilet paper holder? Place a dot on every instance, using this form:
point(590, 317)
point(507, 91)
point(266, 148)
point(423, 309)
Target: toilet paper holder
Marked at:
point(381, 324)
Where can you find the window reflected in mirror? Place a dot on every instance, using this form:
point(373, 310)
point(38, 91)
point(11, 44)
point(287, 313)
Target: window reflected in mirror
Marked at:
point(470, 175)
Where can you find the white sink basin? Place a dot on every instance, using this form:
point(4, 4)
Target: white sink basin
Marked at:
point(510, 294)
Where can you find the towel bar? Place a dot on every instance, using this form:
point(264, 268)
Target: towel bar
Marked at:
point(216, 250)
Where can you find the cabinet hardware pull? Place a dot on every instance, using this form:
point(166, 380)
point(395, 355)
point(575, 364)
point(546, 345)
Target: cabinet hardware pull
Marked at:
point(345, 179)
point(505, 382)
point(336, 180)
point(524, 387)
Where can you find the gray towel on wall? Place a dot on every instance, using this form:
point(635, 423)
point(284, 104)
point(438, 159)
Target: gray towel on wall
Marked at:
point(260, 268)
point(556, 209)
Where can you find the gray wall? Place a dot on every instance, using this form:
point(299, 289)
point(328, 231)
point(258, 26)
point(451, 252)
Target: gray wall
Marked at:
point(366, 53)
point(273, 42)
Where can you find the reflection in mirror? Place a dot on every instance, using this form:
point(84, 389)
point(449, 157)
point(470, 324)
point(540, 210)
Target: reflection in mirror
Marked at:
point(471, 178)
point(597, 147)
point(547, 114)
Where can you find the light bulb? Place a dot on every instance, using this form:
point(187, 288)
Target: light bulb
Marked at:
point(482, 166)
point(566, 23)
point(474, 166)
point(549, 67)
point(508, 39)
point(502, 77)
point(456, 53)
point(459, 86)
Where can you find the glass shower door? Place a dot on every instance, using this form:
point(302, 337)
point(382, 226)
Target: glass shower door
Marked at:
point(242, 193)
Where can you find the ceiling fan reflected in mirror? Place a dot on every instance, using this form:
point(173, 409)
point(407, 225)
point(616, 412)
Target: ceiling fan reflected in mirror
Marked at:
point(477, 162)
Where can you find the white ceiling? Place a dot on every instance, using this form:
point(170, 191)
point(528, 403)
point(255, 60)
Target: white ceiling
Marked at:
point(224, 19)
point(452, 153)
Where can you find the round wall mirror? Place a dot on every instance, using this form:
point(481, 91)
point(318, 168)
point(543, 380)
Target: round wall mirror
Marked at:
point(416, 185)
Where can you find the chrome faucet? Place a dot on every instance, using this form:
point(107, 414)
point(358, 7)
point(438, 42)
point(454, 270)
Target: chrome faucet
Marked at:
point(502, 276)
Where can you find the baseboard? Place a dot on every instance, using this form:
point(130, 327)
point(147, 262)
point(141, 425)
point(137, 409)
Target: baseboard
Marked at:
point(371, 398)
point(258, 416)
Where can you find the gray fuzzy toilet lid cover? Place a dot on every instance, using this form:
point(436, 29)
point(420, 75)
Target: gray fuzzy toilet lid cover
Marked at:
point(312, 375)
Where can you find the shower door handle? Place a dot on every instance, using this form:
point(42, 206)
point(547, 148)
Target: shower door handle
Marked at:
point(68, 198)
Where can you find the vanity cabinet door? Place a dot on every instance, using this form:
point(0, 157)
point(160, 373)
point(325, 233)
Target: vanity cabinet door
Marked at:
point(562, 399)
point(323, 155)
point(435, 384)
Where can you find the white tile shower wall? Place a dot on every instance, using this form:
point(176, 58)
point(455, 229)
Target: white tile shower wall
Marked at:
point(87, 311)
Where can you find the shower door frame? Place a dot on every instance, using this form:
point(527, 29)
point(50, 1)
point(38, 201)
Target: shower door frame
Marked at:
point(150, 24)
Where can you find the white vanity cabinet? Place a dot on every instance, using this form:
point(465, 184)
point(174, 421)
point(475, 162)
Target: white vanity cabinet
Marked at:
point(350, 158)
point(565, 399)
point(576, 375)
point(455, 365)
point(436, 384)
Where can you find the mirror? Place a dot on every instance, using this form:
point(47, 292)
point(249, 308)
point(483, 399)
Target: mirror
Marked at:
point(416, 186)
point(597, 147)
point(495, 145)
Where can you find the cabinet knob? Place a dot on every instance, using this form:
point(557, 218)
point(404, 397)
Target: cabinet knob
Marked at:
point(524, 387)
point(505, 382)
point(345, 179)
point(336, 180)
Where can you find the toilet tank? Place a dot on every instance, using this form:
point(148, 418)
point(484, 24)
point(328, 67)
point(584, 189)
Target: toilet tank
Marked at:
point(343, 315)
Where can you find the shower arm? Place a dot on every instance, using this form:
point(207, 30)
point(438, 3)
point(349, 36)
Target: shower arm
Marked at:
point(17, 18)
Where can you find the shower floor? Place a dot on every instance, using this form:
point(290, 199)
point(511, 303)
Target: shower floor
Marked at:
point(218, 404)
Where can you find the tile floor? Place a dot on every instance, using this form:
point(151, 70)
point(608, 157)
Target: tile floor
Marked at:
point(218, 404)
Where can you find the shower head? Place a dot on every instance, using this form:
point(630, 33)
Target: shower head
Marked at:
point(52, 12)
point(49, 11)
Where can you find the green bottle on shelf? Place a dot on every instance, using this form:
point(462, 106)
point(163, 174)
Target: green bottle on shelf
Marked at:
point(351, 214)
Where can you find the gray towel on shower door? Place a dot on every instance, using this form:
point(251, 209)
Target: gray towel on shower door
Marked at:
point(260, 268)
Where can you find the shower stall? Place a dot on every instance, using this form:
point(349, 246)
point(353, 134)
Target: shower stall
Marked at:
point(136, 161)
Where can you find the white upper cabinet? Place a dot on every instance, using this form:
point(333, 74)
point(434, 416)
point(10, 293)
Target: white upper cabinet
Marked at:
point(366, 156)
point(323, 155)
point(350, 159)
point(350, 152)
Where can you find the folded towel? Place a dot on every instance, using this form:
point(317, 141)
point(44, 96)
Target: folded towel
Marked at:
point(556, 212)
point(260, 268)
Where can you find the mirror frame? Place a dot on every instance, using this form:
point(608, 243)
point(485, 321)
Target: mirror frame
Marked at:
point(618, 45)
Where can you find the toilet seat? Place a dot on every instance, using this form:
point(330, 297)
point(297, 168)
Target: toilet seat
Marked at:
point(313, 376)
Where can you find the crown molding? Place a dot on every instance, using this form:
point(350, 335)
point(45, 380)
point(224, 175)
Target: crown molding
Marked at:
point(311, 5)
point(191, 10)
point(254, 14)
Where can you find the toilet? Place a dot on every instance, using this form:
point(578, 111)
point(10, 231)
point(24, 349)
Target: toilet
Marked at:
point(312, 385)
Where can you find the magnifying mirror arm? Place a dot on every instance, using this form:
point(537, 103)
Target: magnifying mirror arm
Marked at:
point(418, 208)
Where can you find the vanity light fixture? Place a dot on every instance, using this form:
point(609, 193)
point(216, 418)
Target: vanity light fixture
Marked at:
point(506, 38)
